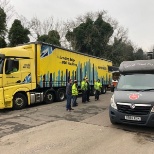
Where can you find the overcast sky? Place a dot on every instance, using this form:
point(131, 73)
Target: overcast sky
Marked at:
point(136, 15)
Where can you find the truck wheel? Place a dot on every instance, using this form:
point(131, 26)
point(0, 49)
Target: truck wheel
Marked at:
point(49, 97)
point(104, 90)
point(19, 101)
point(60, 95)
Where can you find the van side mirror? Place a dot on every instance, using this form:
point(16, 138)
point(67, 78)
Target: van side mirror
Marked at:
point(112, 88)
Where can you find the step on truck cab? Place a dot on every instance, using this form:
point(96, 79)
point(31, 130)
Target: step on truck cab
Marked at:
point(133, 99)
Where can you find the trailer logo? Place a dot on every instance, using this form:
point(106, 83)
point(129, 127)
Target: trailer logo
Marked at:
point(67, 60)
point(102, 67)
point(27, 79)
point(46, 51)
point(133, 96)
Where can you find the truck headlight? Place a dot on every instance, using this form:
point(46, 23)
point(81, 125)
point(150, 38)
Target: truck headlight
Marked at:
point(112, 102)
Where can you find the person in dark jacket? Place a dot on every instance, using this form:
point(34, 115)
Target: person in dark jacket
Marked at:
point(69, 95)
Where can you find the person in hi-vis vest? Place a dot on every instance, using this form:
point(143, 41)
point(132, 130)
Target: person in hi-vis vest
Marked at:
point(98, 88)
point(84, 89)
point(74, 93)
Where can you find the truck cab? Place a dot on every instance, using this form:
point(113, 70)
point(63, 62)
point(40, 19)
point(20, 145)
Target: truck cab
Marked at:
point(133, 99)
point(17, 76)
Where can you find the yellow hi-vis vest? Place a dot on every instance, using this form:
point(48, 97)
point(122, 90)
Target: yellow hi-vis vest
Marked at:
point(83, 85)
point(98, 86)
point(95, 85)
point(74, 90)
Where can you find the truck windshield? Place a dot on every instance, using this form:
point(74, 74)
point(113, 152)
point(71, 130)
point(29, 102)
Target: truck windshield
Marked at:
point(136, 82)
point(1, 65)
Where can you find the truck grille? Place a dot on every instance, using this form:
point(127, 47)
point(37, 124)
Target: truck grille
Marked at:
point(140, 109)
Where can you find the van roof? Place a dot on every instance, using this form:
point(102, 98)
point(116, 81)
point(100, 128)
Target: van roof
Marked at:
point(137, 66)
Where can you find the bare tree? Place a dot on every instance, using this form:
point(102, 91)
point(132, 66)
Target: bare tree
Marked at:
point(47, 25)
point(38, 27)
point(119, 31)
point(8, 8)
point(151, 48)
point(35, 26)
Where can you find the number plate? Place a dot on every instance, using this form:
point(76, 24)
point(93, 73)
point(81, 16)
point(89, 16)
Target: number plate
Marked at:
point(134, 118)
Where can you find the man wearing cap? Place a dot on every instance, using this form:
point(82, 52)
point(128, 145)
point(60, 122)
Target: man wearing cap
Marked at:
point(74, 93)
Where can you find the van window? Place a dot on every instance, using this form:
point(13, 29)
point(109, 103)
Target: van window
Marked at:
point(136, 82)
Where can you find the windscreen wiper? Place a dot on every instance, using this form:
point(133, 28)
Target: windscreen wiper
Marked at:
point(147, 89)
point(128, 89)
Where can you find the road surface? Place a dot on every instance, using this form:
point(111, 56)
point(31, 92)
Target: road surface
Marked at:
point(50, 129)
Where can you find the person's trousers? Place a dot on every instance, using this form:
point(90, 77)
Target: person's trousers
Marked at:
point(74, 98)
point(97, 94)
point(68, 103)
point(88, 95)
point(84, 96)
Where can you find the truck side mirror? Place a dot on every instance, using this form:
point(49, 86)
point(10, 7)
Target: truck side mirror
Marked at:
point(112, 88)
point(9, 65)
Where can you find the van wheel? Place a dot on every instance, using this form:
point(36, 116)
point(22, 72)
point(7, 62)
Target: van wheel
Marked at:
point(49, 97)
point(19, 101)
point(113, 122)
point(104, 90)
point(60, 95)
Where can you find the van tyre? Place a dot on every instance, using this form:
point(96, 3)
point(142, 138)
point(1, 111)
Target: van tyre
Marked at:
point(113, 122)
point(19, 101)
point(60, 95)
point(49, 97)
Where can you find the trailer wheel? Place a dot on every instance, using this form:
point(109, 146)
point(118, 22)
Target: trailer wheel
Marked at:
point(104, 90)
point(19, 101)
point(49, 97)
point(60, 95)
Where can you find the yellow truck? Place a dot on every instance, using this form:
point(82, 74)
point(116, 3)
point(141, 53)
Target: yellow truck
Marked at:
point(39, 72)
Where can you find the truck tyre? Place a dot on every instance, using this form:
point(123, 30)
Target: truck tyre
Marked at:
point(49, 97)
point(103, 89)
point(19, 101)
point(60, 95)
